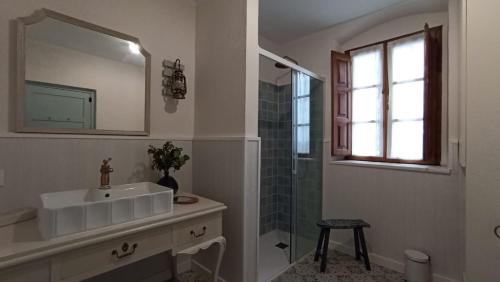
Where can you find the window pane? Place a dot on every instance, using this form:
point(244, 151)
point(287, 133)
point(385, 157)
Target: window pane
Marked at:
point(407, 140)
point(303, 84)
point(366, 139)
point(366, 104)
point(303, 112)
point(303, 139)
point(367, 68)
point(408, 100)
point(407, 59)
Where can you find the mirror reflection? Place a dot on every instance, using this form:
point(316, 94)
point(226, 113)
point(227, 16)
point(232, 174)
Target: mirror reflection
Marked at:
point(78, 78)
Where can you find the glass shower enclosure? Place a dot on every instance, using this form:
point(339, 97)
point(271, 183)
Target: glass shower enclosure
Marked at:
point(291, 132)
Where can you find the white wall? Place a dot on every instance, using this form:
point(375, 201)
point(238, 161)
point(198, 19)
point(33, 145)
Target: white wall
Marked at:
point(483, 141)
point(220, 68)
point(154, 24)
point(225, 148)
point(406, 209)
point(35, 163)
point(119, 86)
point(166, 29)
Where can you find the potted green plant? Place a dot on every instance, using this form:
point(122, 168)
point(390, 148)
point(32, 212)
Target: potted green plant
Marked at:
point(163, 159)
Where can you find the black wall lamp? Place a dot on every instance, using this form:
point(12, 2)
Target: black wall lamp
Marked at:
point(174, 80)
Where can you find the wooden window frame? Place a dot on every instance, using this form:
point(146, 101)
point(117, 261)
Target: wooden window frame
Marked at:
point(432, 101)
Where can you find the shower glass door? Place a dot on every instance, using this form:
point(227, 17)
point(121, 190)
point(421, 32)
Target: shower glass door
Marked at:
point(307, 162)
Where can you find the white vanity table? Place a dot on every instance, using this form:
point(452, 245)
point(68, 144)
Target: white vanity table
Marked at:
point(24, 256)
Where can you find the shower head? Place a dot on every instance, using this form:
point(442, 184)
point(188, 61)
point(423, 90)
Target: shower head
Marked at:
point(282, 66)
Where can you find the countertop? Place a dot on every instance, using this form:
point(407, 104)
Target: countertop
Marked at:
point(21, 242)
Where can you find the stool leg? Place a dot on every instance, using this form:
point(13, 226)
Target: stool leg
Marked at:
point(318, 247)
point(356, 243)
point(326, 239)
point(365, 250)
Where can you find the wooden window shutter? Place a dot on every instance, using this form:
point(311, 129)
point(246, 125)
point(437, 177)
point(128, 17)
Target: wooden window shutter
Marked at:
point(341, 104)
point(432, 94)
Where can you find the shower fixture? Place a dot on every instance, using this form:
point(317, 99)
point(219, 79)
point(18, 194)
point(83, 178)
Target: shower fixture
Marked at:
point(282, 66)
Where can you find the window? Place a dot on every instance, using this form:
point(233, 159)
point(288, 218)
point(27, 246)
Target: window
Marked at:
point(303, 123)
point(367, 118)
point(386, 100)
point(405, 124)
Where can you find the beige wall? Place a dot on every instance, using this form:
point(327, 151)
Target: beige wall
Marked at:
point(166, 29)
point(407, 209)
point(483, 141)
point(35, 164)
point(119, 86)
point(220, 68)
point(72, 161)
point(226, 113)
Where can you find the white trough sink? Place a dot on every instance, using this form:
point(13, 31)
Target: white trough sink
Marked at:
point(79, 210)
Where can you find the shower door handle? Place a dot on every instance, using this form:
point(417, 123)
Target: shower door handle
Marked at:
point(295, 159)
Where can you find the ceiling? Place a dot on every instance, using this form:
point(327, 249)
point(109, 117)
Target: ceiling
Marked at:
point(282, 21)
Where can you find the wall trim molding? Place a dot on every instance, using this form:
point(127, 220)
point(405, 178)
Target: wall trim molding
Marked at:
point(226, 138)
point(113, 137)
point(97, 137)
point(384, 261)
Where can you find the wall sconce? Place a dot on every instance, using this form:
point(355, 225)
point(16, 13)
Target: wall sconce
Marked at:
point(174, 81)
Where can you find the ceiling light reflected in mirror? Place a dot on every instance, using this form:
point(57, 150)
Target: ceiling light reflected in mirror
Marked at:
point(134, 48)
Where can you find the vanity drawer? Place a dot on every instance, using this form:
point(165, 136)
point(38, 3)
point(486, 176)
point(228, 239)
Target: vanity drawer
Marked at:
point(197, 230)
point(93, 260)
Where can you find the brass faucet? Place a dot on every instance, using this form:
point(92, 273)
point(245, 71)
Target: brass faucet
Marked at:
point(105, 171)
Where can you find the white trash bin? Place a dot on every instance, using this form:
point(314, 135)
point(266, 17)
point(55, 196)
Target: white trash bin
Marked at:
point(417, 267)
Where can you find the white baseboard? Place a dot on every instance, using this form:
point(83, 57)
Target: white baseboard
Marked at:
point(196, 266)
point(384, 261)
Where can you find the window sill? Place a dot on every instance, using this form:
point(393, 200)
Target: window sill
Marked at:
point(395, 166)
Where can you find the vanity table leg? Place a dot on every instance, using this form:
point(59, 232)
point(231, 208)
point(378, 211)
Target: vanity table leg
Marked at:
point(175, 275)
point(222, 247)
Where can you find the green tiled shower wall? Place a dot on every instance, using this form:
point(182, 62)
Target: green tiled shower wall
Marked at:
point(296, 214)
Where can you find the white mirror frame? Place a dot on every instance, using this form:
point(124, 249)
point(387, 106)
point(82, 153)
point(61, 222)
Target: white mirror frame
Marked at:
point(42, 14)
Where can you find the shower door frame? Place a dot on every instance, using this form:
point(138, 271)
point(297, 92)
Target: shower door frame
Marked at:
point(293, 66)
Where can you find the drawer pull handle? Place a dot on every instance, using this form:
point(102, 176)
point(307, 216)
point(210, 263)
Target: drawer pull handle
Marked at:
point(126, 253)
point(193, 233)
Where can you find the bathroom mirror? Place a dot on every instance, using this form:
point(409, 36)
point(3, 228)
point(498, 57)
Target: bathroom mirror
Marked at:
point(79, 78)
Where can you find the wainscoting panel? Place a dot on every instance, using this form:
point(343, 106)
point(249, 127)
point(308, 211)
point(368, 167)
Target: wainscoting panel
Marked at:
point(226, 170)
point(38, 165)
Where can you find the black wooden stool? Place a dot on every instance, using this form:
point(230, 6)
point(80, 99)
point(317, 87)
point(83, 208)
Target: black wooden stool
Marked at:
point(356, 225)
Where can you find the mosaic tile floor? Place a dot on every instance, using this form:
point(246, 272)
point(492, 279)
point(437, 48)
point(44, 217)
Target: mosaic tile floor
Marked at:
point(340, 268)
